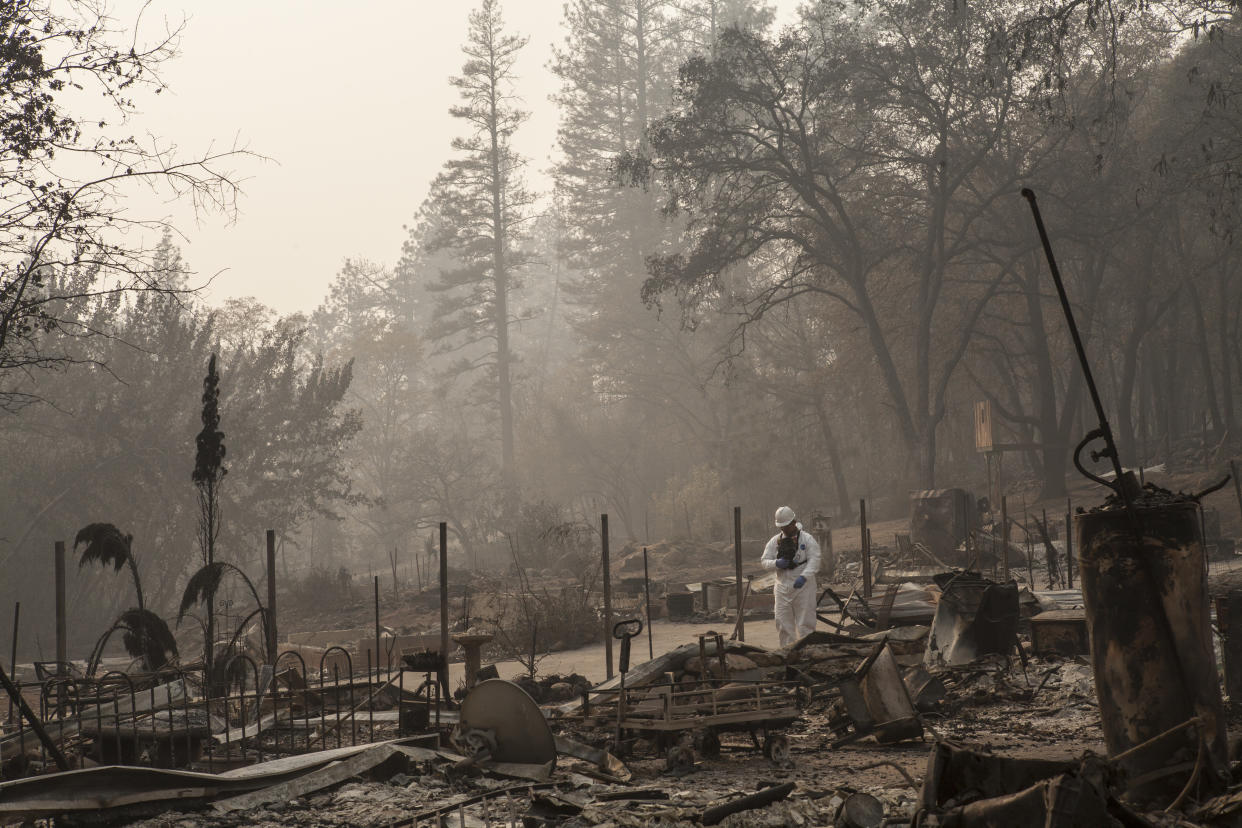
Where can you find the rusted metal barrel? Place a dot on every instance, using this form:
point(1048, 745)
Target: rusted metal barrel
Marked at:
point(1144, 585)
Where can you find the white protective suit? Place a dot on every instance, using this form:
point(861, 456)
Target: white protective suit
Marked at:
point(795, 607)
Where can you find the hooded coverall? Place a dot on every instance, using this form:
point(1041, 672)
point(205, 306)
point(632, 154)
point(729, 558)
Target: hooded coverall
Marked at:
point(795, 606)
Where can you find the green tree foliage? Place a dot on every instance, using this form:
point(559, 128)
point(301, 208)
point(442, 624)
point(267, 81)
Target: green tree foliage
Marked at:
point(374, 314)
point(854, 266)
point(617, 69)
point(118, 442)
point(66, 238)
point(854, 269)
point(476, 213)
point(831, 153)
point(640, 381)
point(704, 21)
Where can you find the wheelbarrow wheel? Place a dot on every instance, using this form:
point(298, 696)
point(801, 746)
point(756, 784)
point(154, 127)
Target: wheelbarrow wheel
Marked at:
point(679, 758)
point(708, 744)
point(776, 749)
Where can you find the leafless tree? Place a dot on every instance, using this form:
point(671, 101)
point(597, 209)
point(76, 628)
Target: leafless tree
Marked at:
point(66, 239)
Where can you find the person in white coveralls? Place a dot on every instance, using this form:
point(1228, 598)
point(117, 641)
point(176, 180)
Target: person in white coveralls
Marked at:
point(794, 554)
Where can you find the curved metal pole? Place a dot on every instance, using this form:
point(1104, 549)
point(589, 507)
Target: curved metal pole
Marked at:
point(1104, 431)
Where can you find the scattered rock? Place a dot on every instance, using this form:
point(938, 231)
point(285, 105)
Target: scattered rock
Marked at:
point(553, 688)
point(736, 662)
point(820, 652)
point(559, 692)
point(766, 658)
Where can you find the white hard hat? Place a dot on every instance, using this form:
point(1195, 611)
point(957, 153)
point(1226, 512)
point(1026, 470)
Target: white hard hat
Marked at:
point(785, 516)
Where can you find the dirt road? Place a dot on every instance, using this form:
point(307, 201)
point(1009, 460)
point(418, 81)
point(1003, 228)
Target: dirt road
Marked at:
point(589, 661)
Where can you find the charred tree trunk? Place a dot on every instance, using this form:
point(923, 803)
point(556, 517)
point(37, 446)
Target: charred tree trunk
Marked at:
point(888, 372)
point(844, 504)
point(1225, 372)
point(1204, 354)
point(1074, 385)
point(1054, 450)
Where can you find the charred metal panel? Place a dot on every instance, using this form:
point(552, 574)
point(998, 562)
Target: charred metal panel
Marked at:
point(974, 617)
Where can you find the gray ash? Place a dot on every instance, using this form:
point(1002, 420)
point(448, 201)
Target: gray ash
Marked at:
point(1150, 496)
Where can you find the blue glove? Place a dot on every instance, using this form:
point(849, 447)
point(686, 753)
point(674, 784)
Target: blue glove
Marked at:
point(799, 581)
point(783, 563)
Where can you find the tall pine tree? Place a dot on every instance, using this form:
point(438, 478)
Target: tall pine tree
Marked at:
point(706, 19)
point(476, 213)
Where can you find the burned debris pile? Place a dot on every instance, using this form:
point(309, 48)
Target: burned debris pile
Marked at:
point(928, 696)
point(964, 721)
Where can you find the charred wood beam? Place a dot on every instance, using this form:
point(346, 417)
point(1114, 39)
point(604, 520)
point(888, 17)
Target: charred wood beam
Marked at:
point(33, 720)
point(760, 799)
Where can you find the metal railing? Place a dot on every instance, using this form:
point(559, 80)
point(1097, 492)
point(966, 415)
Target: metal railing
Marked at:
point(259, 712)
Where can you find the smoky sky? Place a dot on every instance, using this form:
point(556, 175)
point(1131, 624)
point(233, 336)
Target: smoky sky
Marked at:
point(349, 104)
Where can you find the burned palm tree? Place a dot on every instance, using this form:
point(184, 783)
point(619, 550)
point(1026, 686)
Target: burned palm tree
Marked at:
point(205, 583)
point(202, 588)
point(146, 635)
point(107, 545)
point(208, 474)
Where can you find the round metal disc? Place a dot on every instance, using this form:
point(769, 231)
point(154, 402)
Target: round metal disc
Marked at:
point(522, 734)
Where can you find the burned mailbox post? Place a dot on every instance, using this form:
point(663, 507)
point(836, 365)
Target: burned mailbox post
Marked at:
point(1144, 585)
